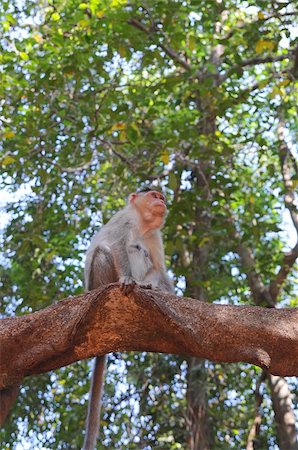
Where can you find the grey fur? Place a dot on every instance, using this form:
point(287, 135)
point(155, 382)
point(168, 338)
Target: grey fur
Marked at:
point(119, 251)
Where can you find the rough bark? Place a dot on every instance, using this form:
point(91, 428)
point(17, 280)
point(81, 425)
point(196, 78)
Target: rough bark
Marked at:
point(7, 399)
point(197, 414)
point(284, 413)
point(105, 320)
point(253, 435)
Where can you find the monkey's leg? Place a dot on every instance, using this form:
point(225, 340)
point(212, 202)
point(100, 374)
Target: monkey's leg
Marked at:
point(95, 400)
point(102, 268)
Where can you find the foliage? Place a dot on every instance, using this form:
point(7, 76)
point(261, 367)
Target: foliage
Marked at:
point(101, 97)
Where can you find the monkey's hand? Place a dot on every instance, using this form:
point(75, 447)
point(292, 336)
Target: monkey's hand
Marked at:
point(127, 284)
point(146, 286)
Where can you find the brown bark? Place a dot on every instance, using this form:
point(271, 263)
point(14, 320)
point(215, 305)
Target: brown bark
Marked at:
point(105, 320)
point(253, 435)
point(197, 413)
point(7, 399)
point(199, 436)
point(284, 413)
point(198, 429)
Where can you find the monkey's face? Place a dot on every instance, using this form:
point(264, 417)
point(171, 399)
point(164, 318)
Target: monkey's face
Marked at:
point(152, 200)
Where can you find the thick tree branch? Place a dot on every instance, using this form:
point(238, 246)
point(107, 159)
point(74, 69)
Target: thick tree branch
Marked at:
point(284, 412)
point(105, 320)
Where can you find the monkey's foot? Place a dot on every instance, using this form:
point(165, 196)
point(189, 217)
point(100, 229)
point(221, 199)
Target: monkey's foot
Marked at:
point(127, 285)
point(146, 286)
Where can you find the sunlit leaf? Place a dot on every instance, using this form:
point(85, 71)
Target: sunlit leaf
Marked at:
point(165, 157)
point(24, 56)
point(8, 134)
point(55, 16)
point(38, 38)
point(263, 45)
point(7, 160)
point(192, 42)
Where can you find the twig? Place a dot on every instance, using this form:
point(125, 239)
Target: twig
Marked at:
point(255, 428)
point(169, 51)
point(253, 62)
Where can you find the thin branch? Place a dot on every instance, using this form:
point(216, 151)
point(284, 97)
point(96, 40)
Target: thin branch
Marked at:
point(110, 146)
point(196, 166)
point(295, 66)
point(285, 155)
point(286, 266)
point(289, 198)
point(253, 62)
point(169, 51)
point(76, 169)
point(255, 428)
point(259, 290)
point(243, 25)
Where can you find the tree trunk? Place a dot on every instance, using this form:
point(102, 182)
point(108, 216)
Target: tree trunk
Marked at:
point(197, 401)
point(283, 411)
point(7, 399)
point(197, 413)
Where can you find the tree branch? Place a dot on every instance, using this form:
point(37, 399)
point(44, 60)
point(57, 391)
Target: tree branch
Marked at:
point(290, 258)
point(285, 156)
point(284, 412)
point(105, 320)
point(260, 292)
point(254, 431)
point(79, 168)
point(257, 23)
point(169, 51)
point(7, 399)
point(253, 62)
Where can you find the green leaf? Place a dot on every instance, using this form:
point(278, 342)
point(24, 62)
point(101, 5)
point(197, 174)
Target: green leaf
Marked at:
point(24, 56)
point(56, 16)
point(7, 160)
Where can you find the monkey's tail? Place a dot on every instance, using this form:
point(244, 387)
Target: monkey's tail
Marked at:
point(95, 395)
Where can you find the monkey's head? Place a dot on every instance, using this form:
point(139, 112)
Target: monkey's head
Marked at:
point(149, 200)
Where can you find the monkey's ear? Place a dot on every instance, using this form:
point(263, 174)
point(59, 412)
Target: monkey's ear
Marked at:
point(132, 197)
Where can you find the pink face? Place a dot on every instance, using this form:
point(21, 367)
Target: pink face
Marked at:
point(152, 200)
point(155, 199)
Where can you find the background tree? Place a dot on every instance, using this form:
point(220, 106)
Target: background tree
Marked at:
point(105, 96)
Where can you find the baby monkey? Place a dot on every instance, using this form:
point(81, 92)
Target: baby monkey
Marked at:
point(129, 250)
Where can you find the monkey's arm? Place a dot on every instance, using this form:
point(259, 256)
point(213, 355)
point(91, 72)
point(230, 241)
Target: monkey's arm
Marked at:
point(139, 261)
point(132, 262)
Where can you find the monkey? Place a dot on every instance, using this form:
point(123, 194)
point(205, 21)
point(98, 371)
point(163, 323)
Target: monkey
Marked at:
point(128, 250)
